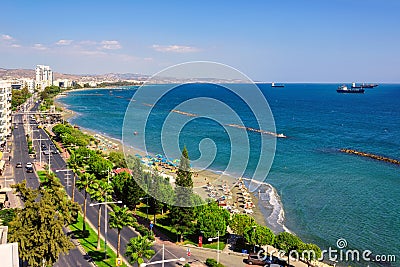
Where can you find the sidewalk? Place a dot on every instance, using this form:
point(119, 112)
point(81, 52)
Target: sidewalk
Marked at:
point(8, 179)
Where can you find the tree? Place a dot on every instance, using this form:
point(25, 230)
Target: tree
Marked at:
point(118, 159)
point(99, 166)
point(310, 252)
point(38, 227)
point(259, 235)
point(182, 214)
point(84, 183)
point(288, 242)
point(127, 189)
point(100, 191)
point(119, 219)
point(161, 192)
point(212, 219)
point(240, 223)
point(139, 248)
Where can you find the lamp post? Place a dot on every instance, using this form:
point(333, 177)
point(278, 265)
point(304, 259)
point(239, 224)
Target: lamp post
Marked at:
point(105, 220)
point(73, 184)
point(254, 237)
point(40, 147)
point(144, 264)
point(147, 206)
point(211, 239)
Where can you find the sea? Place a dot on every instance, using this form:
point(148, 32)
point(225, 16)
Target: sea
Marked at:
point(311, 188)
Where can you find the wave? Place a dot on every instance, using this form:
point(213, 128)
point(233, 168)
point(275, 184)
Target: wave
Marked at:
point(270, 205)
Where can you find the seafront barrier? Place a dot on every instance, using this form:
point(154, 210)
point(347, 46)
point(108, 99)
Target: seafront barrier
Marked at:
point(369, 155)
point(256, 130)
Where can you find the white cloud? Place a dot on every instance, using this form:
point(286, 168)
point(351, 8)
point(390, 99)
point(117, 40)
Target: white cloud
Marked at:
point(175, 48)
point(39, 47)
point(87, 42)
point(6, 37)
point(15, 45)
point(64, 42)
point(111, 45)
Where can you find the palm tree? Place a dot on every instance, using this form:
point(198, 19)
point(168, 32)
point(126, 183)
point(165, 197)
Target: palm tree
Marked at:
point(139, 248)
point(119, 219)
point(100, 191)
point(84, 184)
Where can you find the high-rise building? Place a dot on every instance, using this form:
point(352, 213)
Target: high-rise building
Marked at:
point(5, 111)
point(44, 77)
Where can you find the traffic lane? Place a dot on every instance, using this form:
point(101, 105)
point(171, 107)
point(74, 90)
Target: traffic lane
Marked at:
point(72, 259)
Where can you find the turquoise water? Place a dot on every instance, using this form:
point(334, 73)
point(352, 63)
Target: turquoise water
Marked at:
point(326, 195)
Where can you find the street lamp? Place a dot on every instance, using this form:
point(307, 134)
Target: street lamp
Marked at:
point(147, 206)
point(105, 220)
point(254, 237)
point(40, 146)
point(161, 261)
point(73, 184)
point(211, 239)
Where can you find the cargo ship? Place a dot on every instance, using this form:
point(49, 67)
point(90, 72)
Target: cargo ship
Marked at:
point(370, 85)
point(345, 90)
point(277, 85)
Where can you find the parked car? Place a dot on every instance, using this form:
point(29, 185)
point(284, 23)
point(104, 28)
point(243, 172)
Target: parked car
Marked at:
point(29, 165)
point(255, 259)
point(46, 152)
point(18, 165)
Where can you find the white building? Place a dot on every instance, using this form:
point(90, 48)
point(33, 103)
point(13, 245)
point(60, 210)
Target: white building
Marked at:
point(5, 110)
point(63, 83)
point(44, 77)
point(8, 251)
point(30, 84)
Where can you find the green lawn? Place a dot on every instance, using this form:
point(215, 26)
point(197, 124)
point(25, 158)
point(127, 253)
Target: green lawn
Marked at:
point(42, 175)
point(90, 244)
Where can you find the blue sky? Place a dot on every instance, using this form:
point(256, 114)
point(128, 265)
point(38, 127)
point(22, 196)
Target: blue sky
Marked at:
point(280, 40)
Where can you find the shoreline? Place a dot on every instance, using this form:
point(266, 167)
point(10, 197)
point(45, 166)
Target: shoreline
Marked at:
point(215, 176)
point(200, 177)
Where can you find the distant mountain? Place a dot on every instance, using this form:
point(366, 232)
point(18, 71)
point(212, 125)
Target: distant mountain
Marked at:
point(110, 77)
point(30, 73)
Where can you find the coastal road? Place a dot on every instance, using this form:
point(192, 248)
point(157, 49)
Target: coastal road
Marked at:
point(20, 154)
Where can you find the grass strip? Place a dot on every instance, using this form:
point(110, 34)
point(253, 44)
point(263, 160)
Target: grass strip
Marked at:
point(90, 243)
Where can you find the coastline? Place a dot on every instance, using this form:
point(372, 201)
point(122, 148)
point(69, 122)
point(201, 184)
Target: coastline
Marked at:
point(200, 177)
point(267, 211)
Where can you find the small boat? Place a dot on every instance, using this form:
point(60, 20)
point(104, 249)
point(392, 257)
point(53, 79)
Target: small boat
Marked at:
point(344, 89)
point(135, 133)
point(277, 85)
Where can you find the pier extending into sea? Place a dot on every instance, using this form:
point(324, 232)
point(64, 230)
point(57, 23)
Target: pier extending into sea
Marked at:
point(369, 155)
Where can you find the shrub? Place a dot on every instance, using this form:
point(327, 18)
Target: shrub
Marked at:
point(213, 263)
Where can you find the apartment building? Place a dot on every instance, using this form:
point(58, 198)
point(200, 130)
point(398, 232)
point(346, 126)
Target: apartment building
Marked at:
point(5, 111)
point(44, 77)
